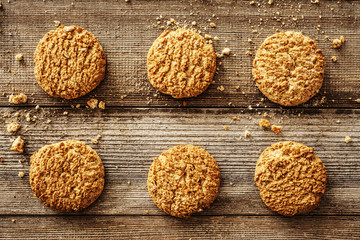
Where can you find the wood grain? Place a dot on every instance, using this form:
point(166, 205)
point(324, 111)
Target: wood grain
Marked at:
point(127, 30)
point(131, 138)
point(154, 227)
point(141, 126)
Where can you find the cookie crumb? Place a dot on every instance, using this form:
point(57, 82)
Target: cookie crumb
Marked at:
point(78, 106)
point(270, 1)
point(17, 99)
point(213, 25)
point(193, 23)
point(207, 36)
point(357, 100)
point(28, 117)
point(57, 23)
point(65, 113)
point(13, 220)
point(276, 129)
point(93, 103)
point(338, 42)
point(265, 115)
point(221, 88)
point(13, 127)
point(348, 139)
point(1, 159)
point(333, 58)
point(21, 174)
point(19, 57)
point(129, 183)
point(226, 128)
point(216, 38)
point(102, 105)
point(226, 51)
point(247, 134)
point(146, 211)
point(18, 145)
point(264, 123)
point(95, 141)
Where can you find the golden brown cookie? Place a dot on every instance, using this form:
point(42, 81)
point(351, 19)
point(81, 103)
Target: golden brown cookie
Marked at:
point(180, 63)
point(289, 68)
point(67, 176)
point(69, 62)
point(184, 180)
point(291, 178)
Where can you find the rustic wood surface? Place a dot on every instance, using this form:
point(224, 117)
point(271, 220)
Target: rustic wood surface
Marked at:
point(139, 127)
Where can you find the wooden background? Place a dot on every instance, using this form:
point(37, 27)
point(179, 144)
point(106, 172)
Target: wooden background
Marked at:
point(139, 127)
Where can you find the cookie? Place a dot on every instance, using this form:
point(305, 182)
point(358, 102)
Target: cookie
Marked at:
point(291, 178)
point(67, 176)
point(184, 180)
point(289, 68)
point(181, 63)
point(69, 62)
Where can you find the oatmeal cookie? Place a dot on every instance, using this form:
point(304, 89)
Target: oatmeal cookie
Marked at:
point(289, 68)
point(67, 176)
point(180, 63)
point(69, 62)
point(184, 180)
point(291, 178)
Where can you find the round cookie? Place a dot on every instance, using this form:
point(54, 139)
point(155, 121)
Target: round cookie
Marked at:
point(291, 179)
point(69, 62)
point(180, 63)
point(67, 176)
point(184, 180)
point(289, 68)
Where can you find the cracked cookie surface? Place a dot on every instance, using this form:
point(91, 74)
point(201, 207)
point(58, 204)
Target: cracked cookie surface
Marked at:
point(289, 68)
point(184, 180)
point(180, 63)
point(291, 179)
point(67, 176)
point(69, 62)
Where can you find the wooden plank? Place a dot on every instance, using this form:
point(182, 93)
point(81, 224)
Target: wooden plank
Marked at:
point(155, 227)
point(132, 137)
point(127, 30)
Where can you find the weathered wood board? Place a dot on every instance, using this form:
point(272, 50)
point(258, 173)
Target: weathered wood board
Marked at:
point(139, 127)
point(155, 227)
point(126, 32)
point(131, 138)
